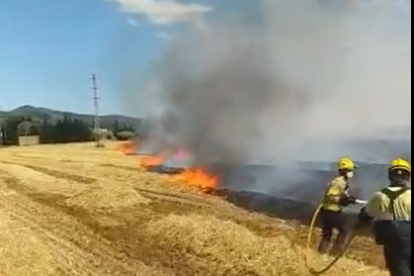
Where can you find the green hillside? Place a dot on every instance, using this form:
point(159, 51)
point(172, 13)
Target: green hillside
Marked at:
point(41, 114)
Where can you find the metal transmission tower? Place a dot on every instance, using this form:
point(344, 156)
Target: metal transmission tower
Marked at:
point(96, 124)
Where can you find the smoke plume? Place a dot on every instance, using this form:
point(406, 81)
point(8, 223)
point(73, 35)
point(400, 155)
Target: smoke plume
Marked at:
point(297, 82)
point(303, 71)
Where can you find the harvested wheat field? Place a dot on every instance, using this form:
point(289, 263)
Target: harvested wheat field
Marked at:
point(78, 210)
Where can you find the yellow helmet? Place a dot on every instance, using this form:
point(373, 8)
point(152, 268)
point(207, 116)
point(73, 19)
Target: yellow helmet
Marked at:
point(346, 163)
point(400, 164)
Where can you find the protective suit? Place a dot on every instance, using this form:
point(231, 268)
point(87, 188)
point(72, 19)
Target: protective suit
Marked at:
point(336, 197)
point(390, 212)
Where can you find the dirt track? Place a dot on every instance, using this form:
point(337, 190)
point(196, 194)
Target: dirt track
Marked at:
point(76, 210)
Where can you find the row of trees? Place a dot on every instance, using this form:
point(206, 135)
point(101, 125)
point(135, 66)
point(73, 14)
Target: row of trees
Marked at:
point(66, 130)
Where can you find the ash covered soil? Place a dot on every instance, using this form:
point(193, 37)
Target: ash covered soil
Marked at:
point(77, 210)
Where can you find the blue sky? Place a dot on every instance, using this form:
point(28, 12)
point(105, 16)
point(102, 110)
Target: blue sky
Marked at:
point(49, 48)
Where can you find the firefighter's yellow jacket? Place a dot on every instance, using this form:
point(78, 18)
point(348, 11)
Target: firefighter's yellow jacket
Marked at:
point(335, 191)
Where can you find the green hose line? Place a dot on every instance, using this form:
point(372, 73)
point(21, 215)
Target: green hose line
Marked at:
point(309, 242)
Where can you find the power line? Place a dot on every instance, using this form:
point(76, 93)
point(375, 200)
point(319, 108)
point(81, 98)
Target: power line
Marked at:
point(96, 123)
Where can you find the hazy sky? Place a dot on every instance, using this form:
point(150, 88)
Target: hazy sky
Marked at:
point(49, 48)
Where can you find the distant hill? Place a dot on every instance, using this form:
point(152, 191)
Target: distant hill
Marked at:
point(40, 114)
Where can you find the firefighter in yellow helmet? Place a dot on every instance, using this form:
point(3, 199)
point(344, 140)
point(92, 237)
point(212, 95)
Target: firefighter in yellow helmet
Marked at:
point(390, 210)
point(335, 198)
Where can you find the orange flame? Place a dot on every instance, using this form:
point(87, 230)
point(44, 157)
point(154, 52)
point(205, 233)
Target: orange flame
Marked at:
point(191, 177)
point(149, 161)
point(152, 160)
point(196, 177)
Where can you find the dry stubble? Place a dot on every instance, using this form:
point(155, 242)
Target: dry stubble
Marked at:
point(78, 210)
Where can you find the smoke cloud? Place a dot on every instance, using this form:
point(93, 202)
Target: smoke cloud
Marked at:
point(297, 82)
point(303, 71)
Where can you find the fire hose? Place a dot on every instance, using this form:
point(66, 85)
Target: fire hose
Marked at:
point(309, 242)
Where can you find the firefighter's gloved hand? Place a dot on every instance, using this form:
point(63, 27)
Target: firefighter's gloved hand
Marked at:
point(363, 222)
point(363, 217)
point(347, 200)
point(352, 199)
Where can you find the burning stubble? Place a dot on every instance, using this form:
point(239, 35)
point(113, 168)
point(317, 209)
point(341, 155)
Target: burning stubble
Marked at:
point(244, 92)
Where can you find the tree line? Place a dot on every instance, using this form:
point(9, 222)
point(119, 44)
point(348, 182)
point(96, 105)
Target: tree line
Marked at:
point(65, 130)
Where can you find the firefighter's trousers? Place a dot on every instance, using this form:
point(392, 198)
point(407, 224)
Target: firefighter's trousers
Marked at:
point(395, 237)
point(330, 221)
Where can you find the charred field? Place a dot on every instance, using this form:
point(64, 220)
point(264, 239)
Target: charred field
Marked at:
point(290, 193)
point(294, 199)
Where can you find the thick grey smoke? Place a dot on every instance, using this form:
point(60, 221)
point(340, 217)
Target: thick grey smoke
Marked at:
point(299, 82)
point(305, 71)
point(221, 94)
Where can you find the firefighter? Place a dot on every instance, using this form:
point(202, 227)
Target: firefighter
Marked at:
point(390, 211)
point(336, 197)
